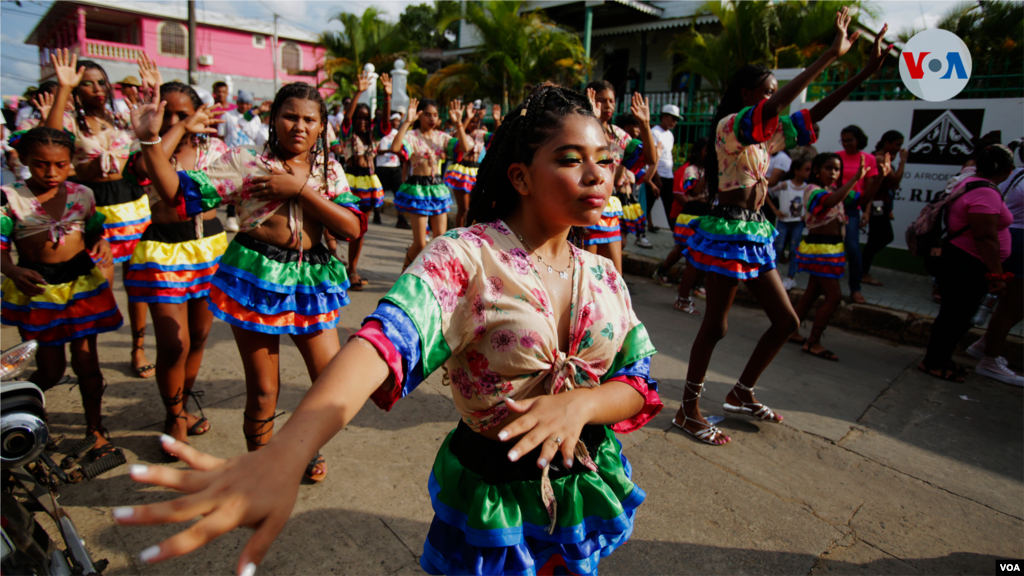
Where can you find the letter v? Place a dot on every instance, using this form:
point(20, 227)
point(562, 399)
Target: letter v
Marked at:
point(915, 69)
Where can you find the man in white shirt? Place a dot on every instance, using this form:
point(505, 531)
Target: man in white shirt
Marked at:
point(389, 167)
point(242, 126)
point(663, 178)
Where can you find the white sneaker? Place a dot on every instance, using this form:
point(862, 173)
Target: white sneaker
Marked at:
point(643, 242)
point(977, 349)
point(788, 283)
point(996, 370)
point(232, 224)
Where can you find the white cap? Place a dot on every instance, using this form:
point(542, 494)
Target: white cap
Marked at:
point(671, 109)
point(396, 116)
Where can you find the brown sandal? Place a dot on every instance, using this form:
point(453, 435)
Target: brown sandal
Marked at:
point(318, 459)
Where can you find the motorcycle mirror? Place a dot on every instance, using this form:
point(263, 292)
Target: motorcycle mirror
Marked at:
point(15, 360)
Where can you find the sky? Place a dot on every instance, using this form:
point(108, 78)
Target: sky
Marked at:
point(19, 68)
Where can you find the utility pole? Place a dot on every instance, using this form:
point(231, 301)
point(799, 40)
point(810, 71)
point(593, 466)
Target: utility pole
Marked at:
point(275, 54)
point(192, 42)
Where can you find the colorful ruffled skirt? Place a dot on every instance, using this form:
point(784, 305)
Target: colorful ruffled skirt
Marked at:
point(171, 265)
point(607, 229)
point(366, 187)
point(423, 195)
point(78, 302)
point(681, 230)
point(462, 176)
point(821, 255)
point(732, 241)
point(265, 288)
point(489, 517)
point(633, 220)
point(126, 207)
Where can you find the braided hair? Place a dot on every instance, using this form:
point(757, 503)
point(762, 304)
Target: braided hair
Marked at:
point(750, 76)
point(83, 126)
point(889, 136)
point(175, 87)
point(993, 160)
point(25, 142)
point(299, 91)
point(526, 127)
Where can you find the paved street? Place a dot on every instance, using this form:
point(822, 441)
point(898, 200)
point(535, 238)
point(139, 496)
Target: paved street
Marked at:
point(877, 469)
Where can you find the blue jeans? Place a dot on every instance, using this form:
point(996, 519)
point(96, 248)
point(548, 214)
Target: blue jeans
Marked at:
point(853, 261)
point(795, 232)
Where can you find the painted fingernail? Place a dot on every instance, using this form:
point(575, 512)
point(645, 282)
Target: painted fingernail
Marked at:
point(510, 401)
point(123, 513)
point(149, 553)
point(503, 435)
point(167, 440)
point(513, 455)
point(568, 463)
point(542, 462)
point(248, 570)
point(138, 470)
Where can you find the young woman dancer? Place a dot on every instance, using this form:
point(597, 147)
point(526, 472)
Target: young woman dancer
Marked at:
point(821, 254)
point(462, 173)
point(276, 277)
point(627, 190)
point(103, 140)
point(174, 262)
point(423, 196)
point(545, 356)
point(734, 241)
point(605, 237)
point(791, 195)
point(55, 294)
point(359, 136)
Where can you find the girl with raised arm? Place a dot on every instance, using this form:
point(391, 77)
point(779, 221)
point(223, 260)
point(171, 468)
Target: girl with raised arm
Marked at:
point(462, 173)
point(544, 354)
point(276, 277)
point(734, 241)
point(103, 140)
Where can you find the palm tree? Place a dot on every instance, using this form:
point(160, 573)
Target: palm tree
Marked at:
point(992, 30)
point(517, 51)
point(368, 38)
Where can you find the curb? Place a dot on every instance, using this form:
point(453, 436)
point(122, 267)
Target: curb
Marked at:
point(893, 325)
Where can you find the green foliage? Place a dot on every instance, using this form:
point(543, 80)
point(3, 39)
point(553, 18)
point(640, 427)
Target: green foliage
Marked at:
point(422, 24)
point(993, 31)
point(368, 38)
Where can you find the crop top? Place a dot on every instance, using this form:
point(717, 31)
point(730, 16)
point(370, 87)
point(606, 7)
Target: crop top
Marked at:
point(418, 149)
point(88, 147)
point(353, 145)
point(818, 214)
point(22, 215)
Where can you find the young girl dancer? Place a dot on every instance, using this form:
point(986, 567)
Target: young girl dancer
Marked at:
point(103, 141)
point(734, 241)
point(423, 196)
point(174, 262)
point(276, 277)
point(605, 237)
point(461, 175)
point(543, 352)
point(359, 149)
point(633, 220)
point(56, 294)
point(821, 253)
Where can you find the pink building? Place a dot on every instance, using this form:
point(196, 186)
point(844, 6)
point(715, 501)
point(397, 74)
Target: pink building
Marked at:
point(235, 50)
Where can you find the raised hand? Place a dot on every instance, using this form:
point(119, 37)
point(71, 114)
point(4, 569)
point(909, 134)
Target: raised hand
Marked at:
point(413, 114)
point(862, 170)
point(496, 112)
point(149, 73)
point(641, 108)
point(885, 166)
point(148, 118)
point(65, 67)
point(842, 44)
point(43, 101)
point(202, 121)
point(879, 51)
point(470, 109)
point(454, 111)
point(385, 80)
point(363, 82)
point(592, 97)
point(265, 107)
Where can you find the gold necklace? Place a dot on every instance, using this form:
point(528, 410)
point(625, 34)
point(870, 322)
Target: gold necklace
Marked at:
point(561, 273)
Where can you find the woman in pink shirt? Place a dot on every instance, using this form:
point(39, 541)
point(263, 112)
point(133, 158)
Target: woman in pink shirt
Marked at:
point(971, 265)
point(854, 141)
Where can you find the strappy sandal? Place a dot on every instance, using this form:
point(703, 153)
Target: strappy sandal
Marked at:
point(140, 371)
point(752, 409)
point(260, 432)
point(196, 429)
point(685, 305)
point(944, 374)
point(358, 285)
point(661, 277)
point(317, 460)
point(801, 341)
point(823, 354)
point(408, 261)
point(100, 431)
point(710, 434)
point(701, 293)
point(171, 402)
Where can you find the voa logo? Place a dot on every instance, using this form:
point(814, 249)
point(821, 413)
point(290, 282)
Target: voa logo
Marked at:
point(935, 65)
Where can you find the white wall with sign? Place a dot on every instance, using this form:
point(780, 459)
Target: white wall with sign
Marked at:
point(937, 134)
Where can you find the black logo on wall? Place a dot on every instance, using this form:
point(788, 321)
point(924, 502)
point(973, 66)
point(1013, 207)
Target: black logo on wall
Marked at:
point(943, 136)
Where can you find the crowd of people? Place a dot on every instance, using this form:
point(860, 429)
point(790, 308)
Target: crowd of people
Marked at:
point(523, 304)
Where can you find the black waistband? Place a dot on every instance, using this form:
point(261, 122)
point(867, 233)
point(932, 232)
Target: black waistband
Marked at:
point(469, 164)
point(80, 265)
point(697, 208)
point(489, 458)
point(425, 180)
point(318, 254)
point(823, 239)
point(737, 213)
point(177, 232)
point(358, 171)
point(116, 192)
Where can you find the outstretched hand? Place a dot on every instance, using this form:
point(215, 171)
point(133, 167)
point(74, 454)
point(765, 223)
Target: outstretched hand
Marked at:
point(385, 80)
point(43, 101)
point(592, 97)
point(413, 114)
point(455, 111)
point(149, 73)
point(842, 43)
point(885, 166)
point(202, 121)
point(148, 117)
point(65, 67)
point(363, 82)
point(641, 108)
point(879, 51)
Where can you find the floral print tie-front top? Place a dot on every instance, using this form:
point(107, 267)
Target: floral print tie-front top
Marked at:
point(22, 215)
point(89, 147)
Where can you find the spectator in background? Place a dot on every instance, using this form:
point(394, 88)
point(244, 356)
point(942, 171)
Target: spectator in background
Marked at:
point(242, 126)
point(220, 102)
point(666, 162)
point(389, 168)
point(39, 109)
point(778, 167)
point(880, 215)
point(788, 205)
point(854, 141)
point(129, 94)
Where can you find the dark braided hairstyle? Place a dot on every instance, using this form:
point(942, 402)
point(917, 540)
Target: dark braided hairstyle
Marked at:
point(41, 136)
point(175, 87)
point(526, 127)
point(299, 91)
point(818, 162)
point(109, 109)
point(369, 116)
point(750, 76)
point(993, 160)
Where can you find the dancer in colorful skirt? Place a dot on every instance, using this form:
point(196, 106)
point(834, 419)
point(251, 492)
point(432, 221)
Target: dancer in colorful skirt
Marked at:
point(56, 294)
point(174, 262)
point(276, 277)
point(545, 357)
point(103, 140)
point(605, 236)
point(461, 174)
point(821, 252)
point(632, 221)
point(734, 241)
point(423, 196)
point(359, 141)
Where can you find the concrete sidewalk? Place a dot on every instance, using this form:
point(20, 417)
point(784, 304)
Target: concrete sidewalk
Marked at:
point(877, 469)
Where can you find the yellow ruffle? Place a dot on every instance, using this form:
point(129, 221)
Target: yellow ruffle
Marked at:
point(199, 251)
point(55, 293)
point(829, 249)
point(368, 182)
point(127, 212)
point(632, 212)
point(612, 207)
point(685, 219)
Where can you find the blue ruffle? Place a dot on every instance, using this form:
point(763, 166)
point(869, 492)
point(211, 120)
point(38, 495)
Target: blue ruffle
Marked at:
point(263, 301)
point(434, 204)
point(400, 330)
point(745, 251)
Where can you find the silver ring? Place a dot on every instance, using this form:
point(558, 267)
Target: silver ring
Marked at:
point(558, 441)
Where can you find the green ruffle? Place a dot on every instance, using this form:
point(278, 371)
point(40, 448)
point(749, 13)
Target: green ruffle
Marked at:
point(789, 131)
point(6, 225)
point(428, 191)
point(501, 506)
point(94, 225)
point(413, 295)
point(271, 272)
point(636, 346)
point(727, 227)
point(210, 199)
